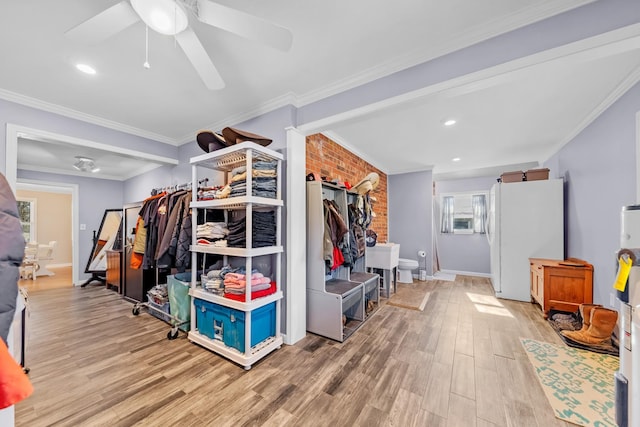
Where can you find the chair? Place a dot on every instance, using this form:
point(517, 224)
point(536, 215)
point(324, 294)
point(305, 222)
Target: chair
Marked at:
point(46, 253)
point(30, 264)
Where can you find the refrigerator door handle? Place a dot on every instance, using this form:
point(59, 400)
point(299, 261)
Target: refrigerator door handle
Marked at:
point(489, 233)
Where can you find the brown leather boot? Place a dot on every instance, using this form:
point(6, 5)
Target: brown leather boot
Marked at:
point(602, 322)
point(585, 313)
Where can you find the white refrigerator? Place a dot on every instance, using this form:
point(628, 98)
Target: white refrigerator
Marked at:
point(526, 220)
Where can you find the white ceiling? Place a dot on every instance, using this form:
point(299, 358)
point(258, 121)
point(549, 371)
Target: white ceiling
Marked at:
point(504, 122)
point(510, 118)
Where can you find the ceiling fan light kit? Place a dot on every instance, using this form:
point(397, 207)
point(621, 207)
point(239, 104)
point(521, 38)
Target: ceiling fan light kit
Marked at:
point(85, 164)
point(163, 16)
point(171, 17)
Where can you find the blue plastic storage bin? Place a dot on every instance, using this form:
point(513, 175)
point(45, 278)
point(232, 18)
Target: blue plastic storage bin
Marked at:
point(227, 324)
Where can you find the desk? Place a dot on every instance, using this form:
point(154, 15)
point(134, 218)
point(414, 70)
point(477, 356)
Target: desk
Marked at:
point(384, 256)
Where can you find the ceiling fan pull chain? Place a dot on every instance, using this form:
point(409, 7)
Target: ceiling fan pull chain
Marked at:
point(175, 22)
point(146, 48)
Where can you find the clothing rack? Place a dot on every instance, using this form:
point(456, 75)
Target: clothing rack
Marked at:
point(174, 188)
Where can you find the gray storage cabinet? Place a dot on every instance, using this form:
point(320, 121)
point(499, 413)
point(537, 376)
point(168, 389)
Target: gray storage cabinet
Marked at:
point(335, 302)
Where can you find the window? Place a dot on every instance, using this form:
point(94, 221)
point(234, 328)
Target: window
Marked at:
point(463, 213)
point(27, 214)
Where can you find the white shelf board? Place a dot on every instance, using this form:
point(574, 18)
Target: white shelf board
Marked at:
point(238, 305)
point(236, 202)
point(245, 359)
point(229, 157)
point(239, 252)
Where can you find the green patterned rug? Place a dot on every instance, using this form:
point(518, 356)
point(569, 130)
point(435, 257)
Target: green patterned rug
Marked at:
point(579, 384)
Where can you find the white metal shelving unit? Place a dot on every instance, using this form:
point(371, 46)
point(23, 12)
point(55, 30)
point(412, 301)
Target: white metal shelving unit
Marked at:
point(225, 160)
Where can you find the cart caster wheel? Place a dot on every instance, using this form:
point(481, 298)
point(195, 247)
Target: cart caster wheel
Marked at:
point(172, 335)
point(135, 311)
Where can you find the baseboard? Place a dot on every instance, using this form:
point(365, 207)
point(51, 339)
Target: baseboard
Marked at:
point(467, 273)
point(417, 277)
point(66, 264)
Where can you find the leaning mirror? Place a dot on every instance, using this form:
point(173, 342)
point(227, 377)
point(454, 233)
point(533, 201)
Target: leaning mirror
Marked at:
point(103, 241)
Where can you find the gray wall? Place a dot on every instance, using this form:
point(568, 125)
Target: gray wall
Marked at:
point(11, 112)
point(410, 212)
point(462, 252)
point(94, 197)
point(599, 170)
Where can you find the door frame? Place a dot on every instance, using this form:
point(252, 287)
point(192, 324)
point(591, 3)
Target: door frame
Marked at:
point(64, 188)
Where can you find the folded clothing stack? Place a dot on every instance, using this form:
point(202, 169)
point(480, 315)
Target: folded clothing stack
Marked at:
point(231, 283)
point(263, 231)
point(212, 193)
point(236, 283)
point(212, 281)
point(158, 294)
point(212, 233)
point(263, 175)
point(254, 295)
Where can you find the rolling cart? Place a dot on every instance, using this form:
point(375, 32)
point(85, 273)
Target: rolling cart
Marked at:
point(179, 304)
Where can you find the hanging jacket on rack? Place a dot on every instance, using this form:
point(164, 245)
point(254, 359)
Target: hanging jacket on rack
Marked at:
point(337, 229)
point(164, 257)
point(140, 243)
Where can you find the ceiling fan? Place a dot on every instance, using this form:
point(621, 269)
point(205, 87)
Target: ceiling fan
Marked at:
point(171, 17)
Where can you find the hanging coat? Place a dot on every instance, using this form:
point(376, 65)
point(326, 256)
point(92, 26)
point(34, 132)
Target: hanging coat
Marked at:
point(11, 253)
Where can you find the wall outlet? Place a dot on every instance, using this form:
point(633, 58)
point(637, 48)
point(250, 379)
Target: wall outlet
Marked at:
point(83, 226)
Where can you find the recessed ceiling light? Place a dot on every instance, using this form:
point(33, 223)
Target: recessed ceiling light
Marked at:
point(455, 159)
point(86, 69)
point(450, 122)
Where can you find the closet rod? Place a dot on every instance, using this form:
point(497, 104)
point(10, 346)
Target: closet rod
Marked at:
point(171, 188)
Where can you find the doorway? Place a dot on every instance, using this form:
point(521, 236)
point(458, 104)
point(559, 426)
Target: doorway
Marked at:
point(50, 212)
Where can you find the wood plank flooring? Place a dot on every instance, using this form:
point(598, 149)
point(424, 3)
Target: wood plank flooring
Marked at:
point(61, 279)
point(457, 363)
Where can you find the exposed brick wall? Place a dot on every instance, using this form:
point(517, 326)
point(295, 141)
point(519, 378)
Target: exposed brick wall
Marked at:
point(330, 159)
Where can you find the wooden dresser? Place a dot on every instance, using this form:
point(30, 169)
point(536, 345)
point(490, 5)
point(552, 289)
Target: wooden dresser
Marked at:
point(114, 269)
point(561, 284)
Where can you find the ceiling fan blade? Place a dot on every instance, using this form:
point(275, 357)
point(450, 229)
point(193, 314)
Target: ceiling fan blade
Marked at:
point(194, 50)
point(245, 25)
point(105, 24)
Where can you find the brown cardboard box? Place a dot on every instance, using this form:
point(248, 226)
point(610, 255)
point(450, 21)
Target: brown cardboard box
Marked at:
point(536, 174)
point(515, 176)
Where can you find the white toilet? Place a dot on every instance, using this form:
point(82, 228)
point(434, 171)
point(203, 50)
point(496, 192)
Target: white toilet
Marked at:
point(405, 267)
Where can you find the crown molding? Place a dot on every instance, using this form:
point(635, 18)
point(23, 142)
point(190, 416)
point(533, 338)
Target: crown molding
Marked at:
point(288, 98)
point(622, 39)
point(78, 115)
point(344, 144)
point(475, 35)
point(632, 79)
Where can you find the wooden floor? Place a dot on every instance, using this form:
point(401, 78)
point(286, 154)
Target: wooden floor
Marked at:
point(457, 363)
point(61, 279)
